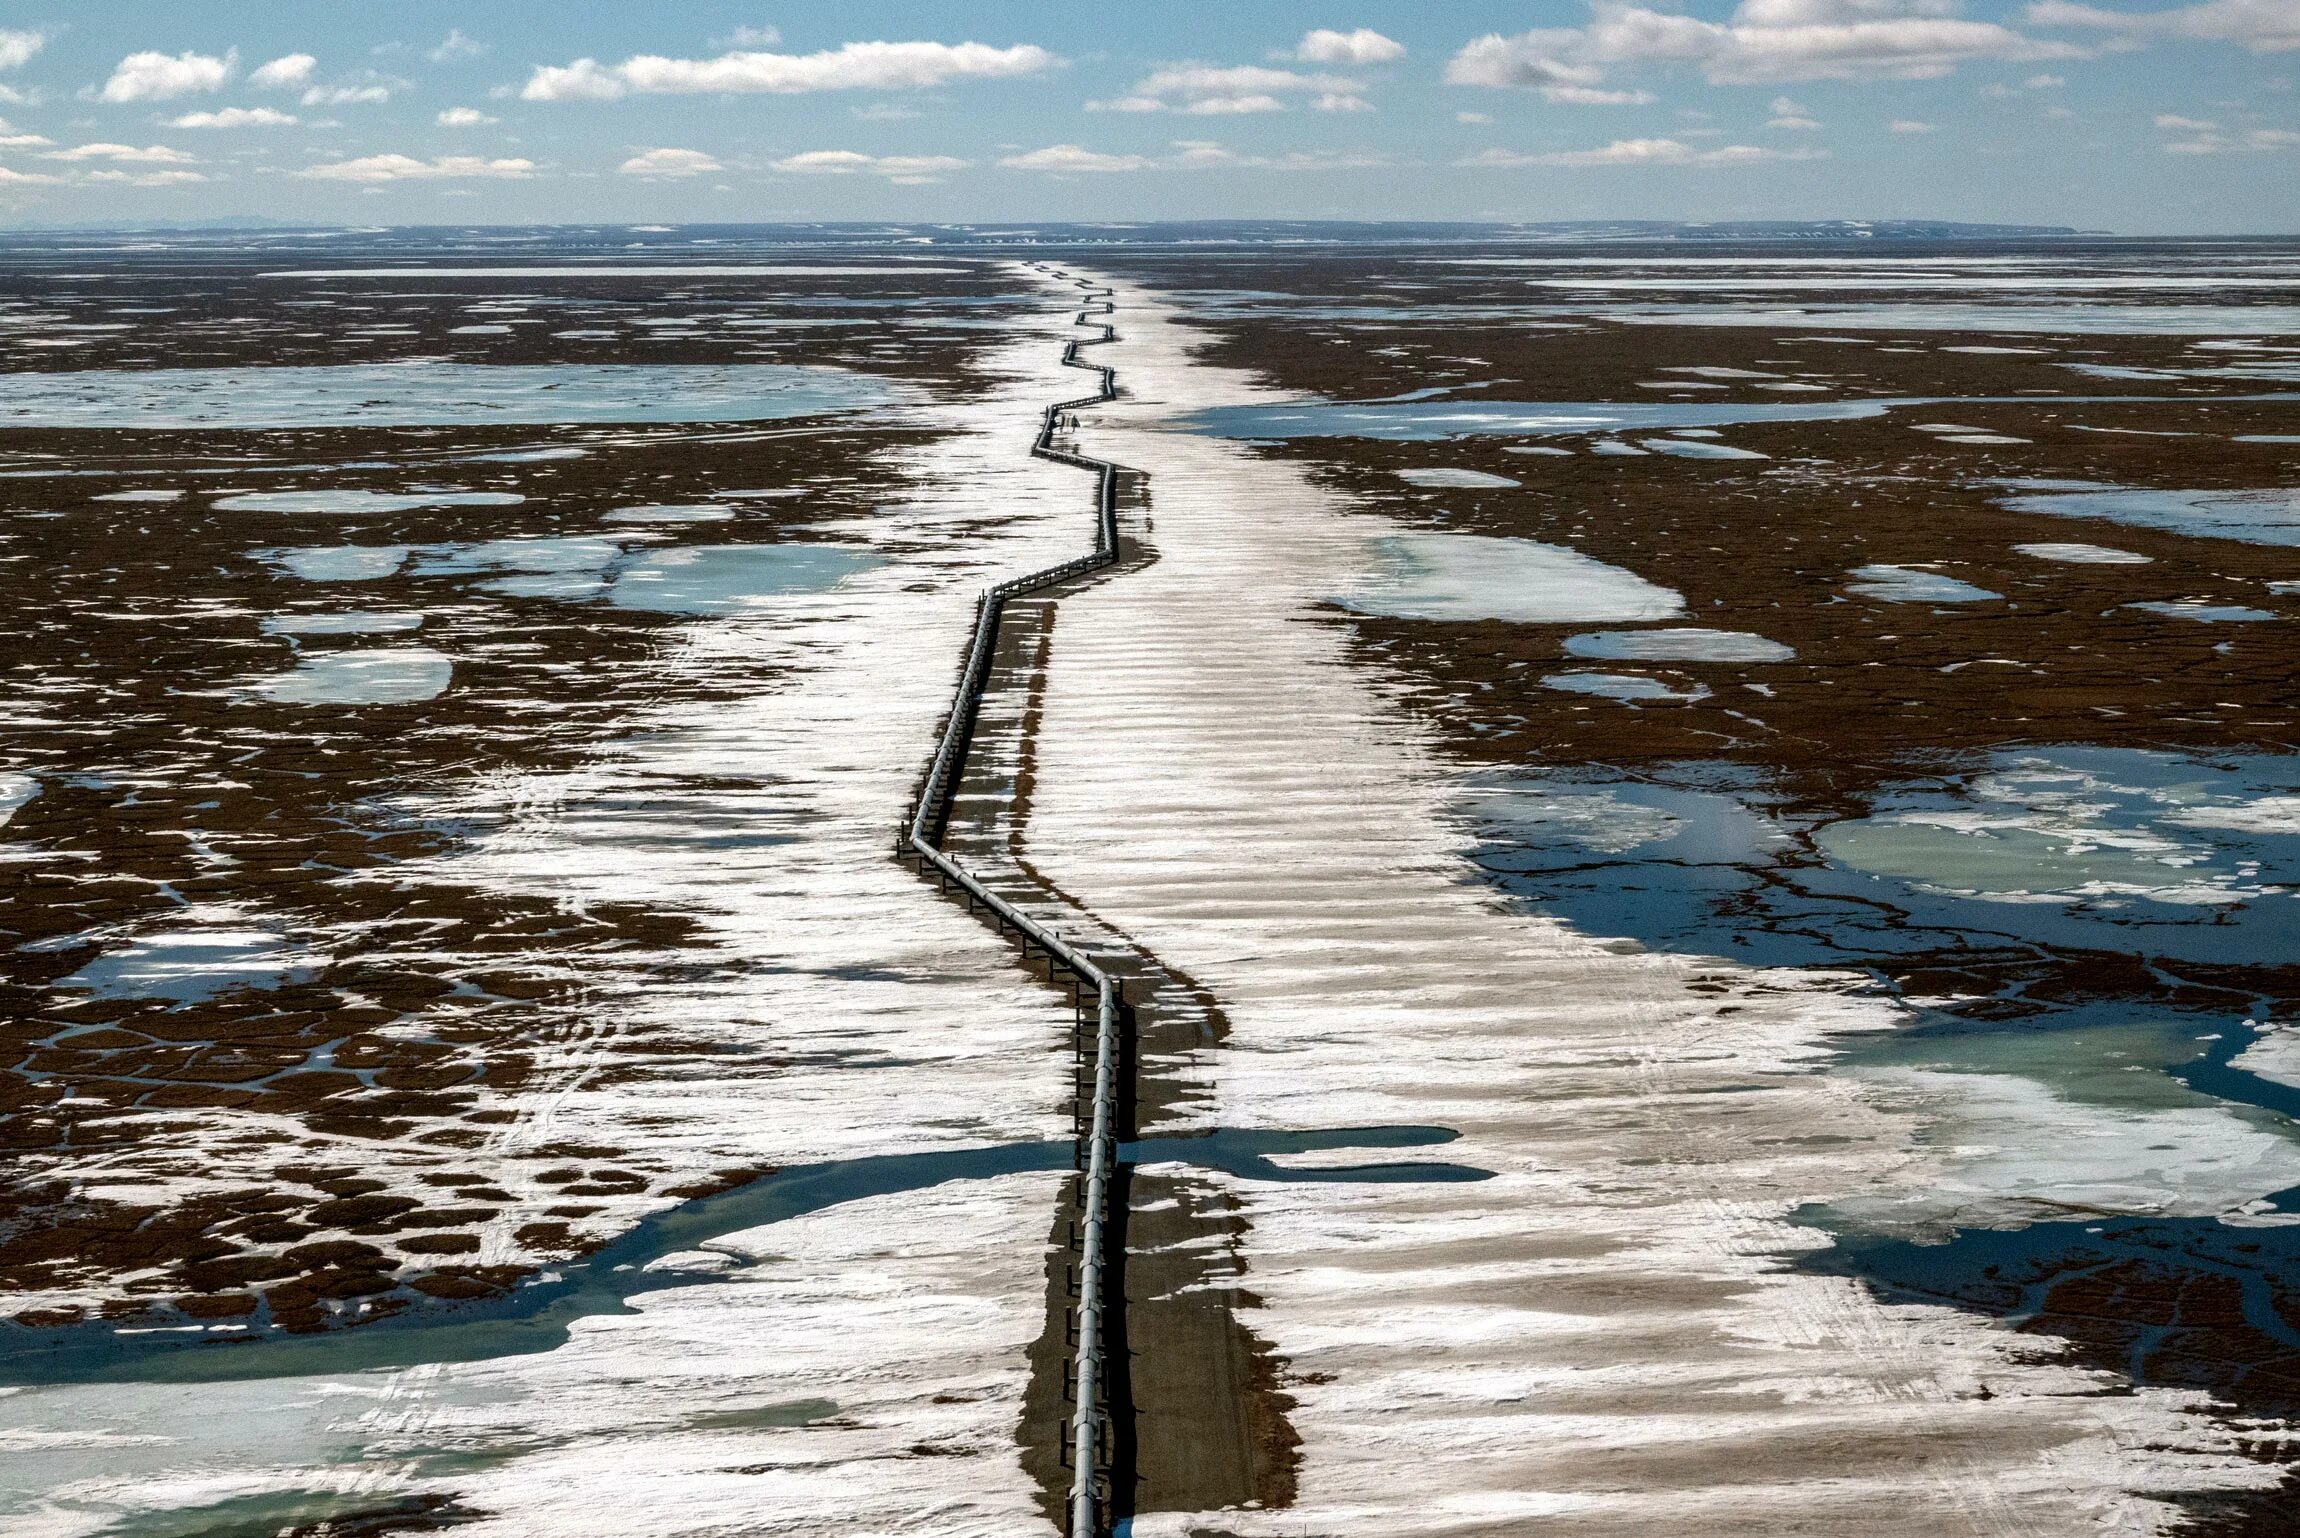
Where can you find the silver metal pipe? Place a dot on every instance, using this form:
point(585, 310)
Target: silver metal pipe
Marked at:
point(1087, 1517)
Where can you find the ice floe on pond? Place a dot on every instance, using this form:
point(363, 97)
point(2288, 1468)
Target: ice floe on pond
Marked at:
point(2085, 831)
point(526, 456)
point(578, 568)
point(1627, 687)
point(338, 563)
point(705, 512)
point(351, 501)
point(1692, 448)
point(1476, 577)
point(1464, 479)
point(1914, 584)
point(431, 394)
point(370, 622)
point(137, 496)
point(15, 791)
point(2205, 613)
point(1677, 645)
point(2274, 1055)
point(395, 675)
point(2085, 555)
point(2017, 1153)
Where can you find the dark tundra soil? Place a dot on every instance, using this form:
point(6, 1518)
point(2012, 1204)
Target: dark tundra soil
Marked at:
point(168, 782)
point(1879, 694)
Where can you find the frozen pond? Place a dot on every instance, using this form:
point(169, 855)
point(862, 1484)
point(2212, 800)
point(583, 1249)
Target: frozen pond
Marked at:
point(358, 623)
point(2265, 517)
point(1630, 688)
point(1449, 419)
point(1677, 645)
point(724, 579)
point(350, 501)
point(338, 563)
point(395, 675)
point(687, 579)
point(431, 394)
point(2084, 555)
point(1914, 584)
point(1475, 577)
point(1465, 479)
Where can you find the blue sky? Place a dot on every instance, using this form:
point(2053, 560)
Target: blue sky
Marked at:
point(2156, 118)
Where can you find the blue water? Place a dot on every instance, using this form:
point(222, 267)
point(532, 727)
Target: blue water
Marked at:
point(431, 394)
point(536, 1315)
point(2069, 849)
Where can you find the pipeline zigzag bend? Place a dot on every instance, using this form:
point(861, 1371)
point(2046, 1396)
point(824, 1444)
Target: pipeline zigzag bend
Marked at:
point(1090, 1437)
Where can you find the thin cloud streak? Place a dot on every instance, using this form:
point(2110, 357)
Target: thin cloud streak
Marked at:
point(854, 67)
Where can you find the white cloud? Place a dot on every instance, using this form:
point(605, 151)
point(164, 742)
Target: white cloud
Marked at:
point(403, 168)
point(1210, 155)
point(1593, 96)
point(2204, 137)
point(1471, 117)
point(155, 76)
point(369, 94)
point(1792, 116)
point(1909, 125)
point(1342, 101)
point(1189, 155)
point(1362, 46)
point(2044, 82)
point(146, 178)
point(1522, 63)
point(17, 47)
point(1207, 90)
point(284, 73)
point(150, 154)
point(463, 117)
point(1763, 40)
point(1069, 159)
point(10, 178)
point(669, 162)
point(855, 67)
point(456, 46)
point(885, 112)
point(749, 37)
point(17, 141)
point(905, 170)
point(1644, 152)
point(2263, 26)
point(233, 117)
